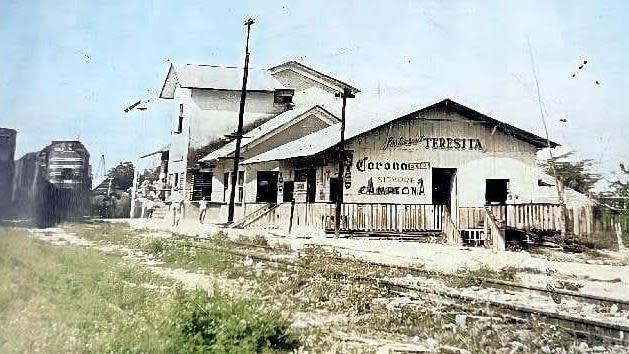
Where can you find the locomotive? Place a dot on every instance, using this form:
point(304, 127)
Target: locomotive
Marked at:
point(53, 184)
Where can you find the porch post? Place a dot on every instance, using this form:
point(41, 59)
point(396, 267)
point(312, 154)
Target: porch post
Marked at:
point(339, 200)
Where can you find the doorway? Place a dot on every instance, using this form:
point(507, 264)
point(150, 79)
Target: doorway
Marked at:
point(442, 185)
point(267, 187)
point(289, 188)
point(496, 191)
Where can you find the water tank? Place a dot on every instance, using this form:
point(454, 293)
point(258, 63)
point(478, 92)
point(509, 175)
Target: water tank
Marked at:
point(7, 155)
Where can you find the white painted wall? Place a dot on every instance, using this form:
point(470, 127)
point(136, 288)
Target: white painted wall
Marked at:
point(501, 156)
point(177, 157)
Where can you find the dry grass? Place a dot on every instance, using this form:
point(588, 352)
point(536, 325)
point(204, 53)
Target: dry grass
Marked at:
point(324, 282)
point(62, 299)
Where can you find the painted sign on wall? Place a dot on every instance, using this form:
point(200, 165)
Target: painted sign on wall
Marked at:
point(444, 143)
point(364, 164)
point(299, 191)
point(390, 180)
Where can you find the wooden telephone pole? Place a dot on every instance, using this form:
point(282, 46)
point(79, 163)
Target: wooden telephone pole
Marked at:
point(241, 113)
point(339, 199)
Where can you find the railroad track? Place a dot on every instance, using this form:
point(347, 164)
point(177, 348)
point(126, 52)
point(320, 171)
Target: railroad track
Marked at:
point(582, 327)
point(486, 282)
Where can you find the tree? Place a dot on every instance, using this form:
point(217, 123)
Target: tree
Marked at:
point(150, 174)
point(618, 196)
point(122, 175)
point(576, 175)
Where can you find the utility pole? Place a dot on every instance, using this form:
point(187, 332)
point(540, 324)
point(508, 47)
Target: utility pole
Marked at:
point(558, 183)
point(339, 199)
point(241, 113)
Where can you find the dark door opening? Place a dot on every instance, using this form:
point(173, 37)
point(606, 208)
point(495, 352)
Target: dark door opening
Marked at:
point(496, 191)
point(289, 187)
point(442, 179)
point(267, 187)
point(308, 176)
point(335, 189)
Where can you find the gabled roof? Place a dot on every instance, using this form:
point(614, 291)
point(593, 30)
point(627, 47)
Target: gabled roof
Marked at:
point(314, 75)
point(276, 123)
point(216, 78)
point(327, 138)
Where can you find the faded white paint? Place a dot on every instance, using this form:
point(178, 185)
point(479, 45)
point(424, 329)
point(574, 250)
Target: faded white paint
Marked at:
point(502, 157)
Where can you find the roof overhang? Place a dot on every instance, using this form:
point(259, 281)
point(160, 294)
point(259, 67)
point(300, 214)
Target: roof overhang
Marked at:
point(227, 150)
point(315, 75)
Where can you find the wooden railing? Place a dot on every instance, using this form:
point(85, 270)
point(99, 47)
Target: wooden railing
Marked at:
point(388, 217)
point(252, 217)
point(520, 216)
point(356, 217)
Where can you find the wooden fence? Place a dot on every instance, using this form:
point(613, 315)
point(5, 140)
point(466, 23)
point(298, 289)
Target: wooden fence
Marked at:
point(356, 217)
point(587, 222)
point(544, 217)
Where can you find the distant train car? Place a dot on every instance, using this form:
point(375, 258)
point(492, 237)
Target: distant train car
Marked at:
point(53, 184)
point(7, 154)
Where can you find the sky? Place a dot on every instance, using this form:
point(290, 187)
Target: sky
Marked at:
point(71, 67)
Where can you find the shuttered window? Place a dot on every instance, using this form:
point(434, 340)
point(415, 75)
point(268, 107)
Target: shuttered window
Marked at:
point(201, 185)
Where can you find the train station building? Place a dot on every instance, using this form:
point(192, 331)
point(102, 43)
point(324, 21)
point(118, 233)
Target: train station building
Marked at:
point(441, 168)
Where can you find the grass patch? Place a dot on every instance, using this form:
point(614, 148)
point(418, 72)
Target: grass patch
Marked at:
point(215, 323)
point(58, 299)
point(326, 282)
point(467, 278)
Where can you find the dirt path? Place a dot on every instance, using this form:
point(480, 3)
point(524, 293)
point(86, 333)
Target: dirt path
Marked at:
point(595, 277)
point(336, 341)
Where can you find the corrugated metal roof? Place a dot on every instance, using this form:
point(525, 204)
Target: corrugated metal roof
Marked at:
point(261, 131)
point(219, 78)
point(361, 119)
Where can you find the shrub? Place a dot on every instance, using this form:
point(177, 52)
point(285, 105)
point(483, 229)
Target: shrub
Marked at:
point(217, 323)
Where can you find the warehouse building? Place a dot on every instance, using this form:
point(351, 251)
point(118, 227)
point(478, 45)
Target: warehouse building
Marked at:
point(443, 168)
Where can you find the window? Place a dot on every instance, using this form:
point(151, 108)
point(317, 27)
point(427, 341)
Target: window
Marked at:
point(180, 123)
point(66, 173)
point(202, 185)
point(283, 96)
point(496, 191)
point(225, 186)
point(241, 186)
point(176, 180)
